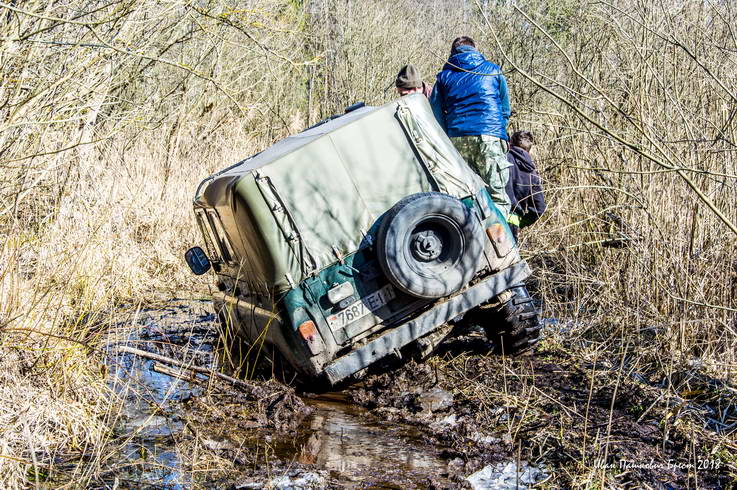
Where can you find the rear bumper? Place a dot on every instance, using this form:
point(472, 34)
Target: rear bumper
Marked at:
point(440, 314)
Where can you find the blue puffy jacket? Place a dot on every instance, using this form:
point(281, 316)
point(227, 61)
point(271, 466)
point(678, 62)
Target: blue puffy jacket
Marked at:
point(470, 96)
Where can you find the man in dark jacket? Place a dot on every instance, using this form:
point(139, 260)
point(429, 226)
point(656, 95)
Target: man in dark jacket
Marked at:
point(470, 100)
point(524, 187)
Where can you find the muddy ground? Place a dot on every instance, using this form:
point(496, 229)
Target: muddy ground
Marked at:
point(179, 429)
point(587, 423)
point(554, 418)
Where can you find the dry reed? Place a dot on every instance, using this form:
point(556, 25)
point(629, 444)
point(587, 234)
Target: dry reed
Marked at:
point(110, 113)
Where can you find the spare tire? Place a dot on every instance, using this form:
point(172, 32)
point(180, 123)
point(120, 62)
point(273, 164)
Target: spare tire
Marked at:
point(429, 245)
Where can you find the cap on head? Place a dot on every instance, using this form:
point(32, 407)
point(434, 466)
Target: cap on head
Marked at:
point(408, 78)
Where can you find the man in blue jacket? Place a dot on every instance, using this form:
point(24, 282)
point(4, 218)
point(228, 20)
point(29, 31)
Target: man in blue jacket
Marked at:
point(470, 100)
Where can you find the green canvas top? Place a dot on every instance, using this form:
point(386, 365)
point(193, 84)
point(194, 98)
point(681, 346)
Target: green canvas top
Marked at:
point(312, 198)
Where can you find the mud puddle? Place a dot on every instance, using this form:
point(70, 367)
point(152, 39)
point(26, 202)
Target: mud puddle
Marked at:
point(148, 424)
point(178, 429)
point(355, 446)
point(564, 420)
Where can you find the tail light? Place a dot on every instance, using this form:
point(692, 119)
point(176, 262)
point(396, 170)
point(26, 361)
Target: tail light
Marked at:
point(308, 331)
point(501, 240)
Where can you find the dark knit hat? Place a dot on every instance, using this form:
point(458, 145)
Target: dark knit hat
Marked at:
point(408, 77)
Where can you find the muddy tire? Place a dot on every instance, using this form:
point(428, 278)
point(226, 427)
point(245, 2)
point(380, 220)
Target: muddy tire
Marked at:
point(429, 245)
point(514, 325)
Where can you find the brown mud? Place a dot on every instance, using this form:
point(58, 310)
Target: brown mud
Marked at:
point(409, 424)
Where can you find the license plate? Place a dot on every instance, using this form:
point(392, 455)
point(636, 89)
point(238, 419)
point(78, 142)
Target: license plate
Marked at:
point(361, 308)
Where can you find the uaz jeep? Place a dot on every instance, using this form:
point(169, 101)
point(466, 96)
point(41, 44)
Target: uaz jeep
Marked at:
point(368, 232)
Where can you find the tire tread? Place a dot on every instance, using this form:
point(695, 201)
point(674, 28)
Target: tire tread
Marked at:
point(516, 327)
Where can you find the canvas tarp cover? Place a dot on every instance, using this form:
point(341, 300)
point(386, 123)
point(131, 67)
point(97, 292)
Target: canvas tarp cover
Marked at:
point(328, 185)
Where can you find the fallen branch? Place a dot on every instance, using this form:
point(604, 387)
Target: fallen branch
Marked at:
point(253, 390)
point(185, 374)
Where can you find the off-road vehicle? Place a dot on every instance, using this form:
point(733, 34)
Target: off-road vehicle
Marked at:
point(365, 233)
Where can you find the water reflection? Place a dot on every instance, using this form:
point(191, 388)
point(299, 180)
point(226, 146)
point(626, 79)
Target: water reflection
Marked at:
point(148, 419)
point(346, 440)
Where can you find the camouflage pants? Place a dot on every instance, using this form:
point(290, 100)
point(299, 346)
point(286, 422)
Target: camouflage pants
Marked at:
point(487, 156)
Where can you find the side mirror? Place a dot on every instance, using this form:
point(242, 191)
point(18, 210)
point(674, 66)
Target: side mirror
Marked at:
point(197, 260)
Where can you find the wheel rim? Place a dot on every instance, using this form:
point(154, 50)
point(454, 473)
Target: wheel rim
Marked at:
point(434, 246)
point(426, 245)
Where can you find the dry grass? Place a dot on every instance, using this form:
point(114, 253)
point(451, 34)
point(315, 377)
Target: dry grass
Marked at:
point(111, 113)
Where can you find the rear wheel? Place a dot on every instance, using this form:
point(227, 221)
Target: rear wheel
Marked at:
point(512, 321)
